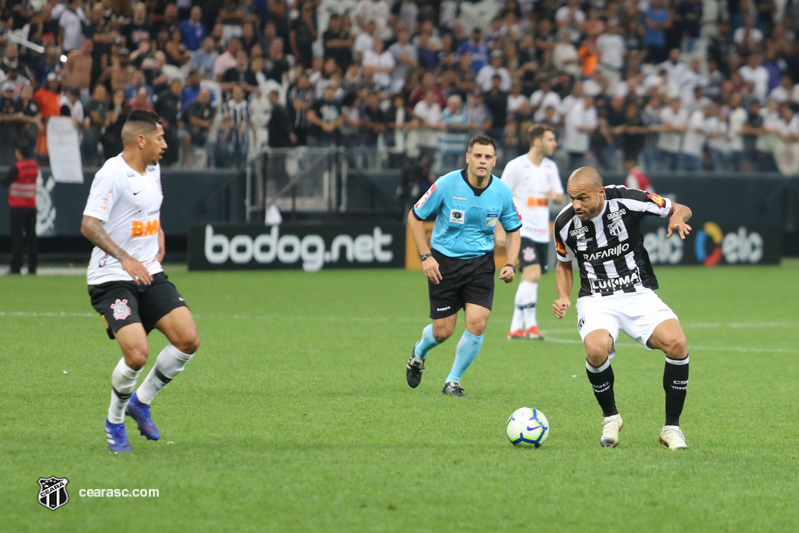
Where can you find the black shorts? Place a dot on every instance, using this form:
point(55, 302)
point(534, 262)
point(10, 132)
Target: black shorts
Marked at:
point(464, 281)
point(534, 253)
point(124, 302)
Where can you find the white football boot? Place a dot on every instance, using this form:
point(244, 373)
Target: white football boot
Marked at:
point(672, 437)
point(611, 425)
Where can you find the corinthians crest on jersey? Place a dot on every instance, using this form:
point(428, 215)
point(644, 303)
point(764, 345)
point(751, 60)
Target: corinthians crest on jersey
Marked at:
point(609, 248)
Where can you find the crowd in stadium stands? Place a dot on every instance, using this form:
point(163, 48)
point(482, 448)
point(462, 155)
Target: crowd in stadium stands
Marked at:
point(684, 85)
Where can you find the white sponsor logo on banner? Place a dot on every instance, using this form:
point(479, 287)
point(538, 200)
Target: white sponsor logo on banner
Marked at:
point(288, 249)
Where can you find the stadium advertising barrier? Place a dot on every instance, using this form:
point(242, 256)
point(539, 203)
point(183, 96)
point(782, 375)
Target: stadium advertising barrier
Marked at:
point(190, 196)
point(310, 247)
point(712, 244)
point(709, 244)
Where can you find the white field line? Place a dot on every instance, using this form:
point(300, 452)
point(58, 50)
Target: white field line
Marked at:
point(351, 318)
point(573, 331)
point(691, 347)
point(46, 314)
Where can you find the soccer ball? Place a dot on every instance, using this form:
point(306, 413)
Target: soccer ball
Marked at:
point(527, 427)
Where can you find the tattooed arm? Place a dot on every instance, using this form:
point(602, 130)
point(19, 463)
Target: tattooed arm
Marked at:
point(93, 229)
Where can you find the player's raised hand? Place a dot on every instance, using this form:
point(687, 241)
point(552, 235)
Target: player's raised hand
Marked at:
point(560, 307)
point(678, 224)
point(137, 271)
point(507, 274)
point(430, 267)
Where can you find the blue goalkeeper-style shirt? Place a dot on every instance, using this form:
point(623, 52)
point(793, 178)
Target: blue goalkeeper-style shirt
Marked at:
point(466, 217)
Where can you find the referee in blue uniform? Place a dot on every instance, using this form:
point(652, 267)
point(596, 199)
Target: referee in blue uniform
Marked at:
point(467, 204)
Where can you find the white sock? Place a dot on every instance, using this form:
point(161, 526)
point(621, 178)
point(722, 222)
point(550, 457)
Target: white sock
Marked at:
point(123, 381)
point(517, 322)
point(527, 294)
point(169, 364)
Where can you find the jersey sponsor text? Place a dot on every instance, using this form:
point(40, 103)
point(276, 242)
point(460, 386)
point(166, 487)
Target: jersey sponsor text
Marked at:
point(144, 228)
point(628, 281)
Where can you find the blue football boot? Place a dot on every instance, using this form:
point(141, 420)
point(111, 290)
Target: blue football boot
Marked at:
point(117, 437)
point(140, 412)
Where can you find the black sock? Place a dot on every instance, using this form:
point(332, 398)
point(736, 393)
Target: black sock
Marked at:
point(602, 383)
point(675, 383)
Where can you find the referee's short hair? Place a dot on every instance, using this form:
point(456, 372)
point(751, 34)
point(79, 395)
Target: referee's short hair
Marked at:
point(537, 131)
point(483, 140)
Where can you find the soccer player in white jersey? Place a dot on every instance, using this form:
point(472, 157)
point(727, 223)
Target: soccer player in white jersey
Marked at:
point(601, 230)
point(127, 285)
point(535, 181)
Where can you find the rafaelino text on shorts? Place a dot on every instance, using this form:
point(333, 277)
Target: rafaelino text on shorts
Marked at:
point(118, 493)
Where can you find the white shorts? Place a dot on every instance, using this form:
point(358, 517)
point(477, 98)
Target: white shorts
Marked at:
point(636, 314)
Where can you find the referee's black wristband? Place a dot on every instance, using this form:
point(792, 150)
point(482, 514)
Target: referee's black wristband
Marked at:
point(512, 266)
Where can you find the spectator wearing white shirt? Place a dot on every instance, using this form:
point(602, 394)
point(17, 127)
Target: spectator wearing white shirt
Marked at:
point(698, 100)
point(453, 139)
point(595, 86)
point(788, 135)
point(747, 37)
point(785, 128)
point(612, 51)
point(515, 98)
point(674, 68)
point(695, 136)
point(783, 92)
point(719, 141)
point(769, 137)
point(692, 79)
point(373, 10)
point(72, 107)
point(365, 41)
point(650, 116)
point(795, 94)
point(662, 85)
point(578, 124)
point(382, 61)
point(565, 57)
point(405, 57)
point(736, 120)
point(70, 24)
point(544, 98)
point(634, 86)
point(756, 73)
point(429, 115)
point(674, 121)
point(495, 67)
point(571, 18)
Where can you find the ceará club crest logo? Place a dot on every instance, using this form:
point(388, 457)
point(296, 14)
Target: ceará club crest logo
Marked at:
point(121, 309)
point(53, 492)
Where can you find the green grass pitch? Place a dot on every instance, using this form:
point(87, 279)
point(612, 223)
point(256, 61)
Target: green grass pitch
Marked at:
point(295, 414)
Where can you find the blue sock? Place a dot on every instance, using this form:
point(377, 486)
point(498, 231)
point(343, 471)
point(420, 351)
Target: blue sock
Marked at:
point(468, 348)
point(427, 343)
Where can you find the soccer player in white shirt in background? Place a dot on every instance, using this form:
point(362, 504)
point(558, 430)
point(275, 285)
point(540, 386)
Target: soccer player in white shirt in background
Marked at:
point(534, 181)
point(127, 285)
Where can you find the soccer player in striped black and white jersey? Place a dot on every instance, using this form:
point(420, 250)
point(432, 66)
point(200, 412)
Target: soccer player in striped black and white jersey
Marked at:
point(600, 229)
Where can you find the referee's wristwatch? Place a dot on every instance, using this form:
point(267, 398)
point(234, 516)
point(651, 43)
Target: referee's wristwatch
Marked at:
point(512, 266)
point(425, 256)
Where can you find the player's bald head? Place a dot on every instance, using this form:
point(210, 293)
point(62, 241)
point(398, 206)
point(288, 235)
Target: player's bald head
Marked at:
point(139, 122)
point(586, 176)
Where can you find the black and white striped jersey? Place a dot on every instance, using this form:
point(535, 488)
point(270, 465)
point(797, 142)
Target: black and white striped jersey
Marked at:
point(610, 247)
point(238, 111)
